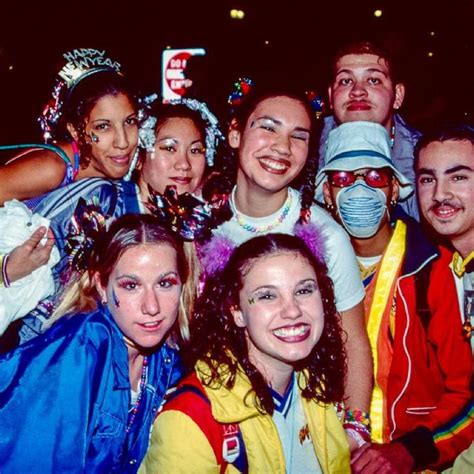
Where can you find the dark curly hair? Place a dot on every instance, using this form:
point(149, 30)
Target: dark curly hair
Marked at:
point(227, 163)
point(222, 345)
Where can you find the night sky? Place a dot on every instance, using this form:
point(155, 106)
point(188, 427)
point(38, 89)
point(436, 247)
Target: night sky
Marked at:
point(292, 39)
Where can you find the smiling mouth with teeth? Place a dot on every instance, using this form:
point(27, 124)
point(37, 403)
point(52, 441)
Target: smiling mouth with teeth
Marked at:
point(292, 331)
point(444, 211)
point(277, 166)
point(151, 325)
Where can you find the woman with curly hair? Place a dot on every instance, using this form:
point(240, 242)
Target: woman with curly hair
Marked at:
point(269, 174)
point(269, 366)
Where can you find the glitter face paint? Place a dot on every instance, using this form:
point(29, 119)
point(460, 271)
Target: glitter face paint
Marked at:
point(115, 299)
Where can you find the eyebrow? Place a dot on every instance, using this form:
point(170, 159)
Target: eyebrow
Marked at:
point(278, 122)
point(136, 277)
point(274, 287)
point(133, 114)
point(457, 168)
point(372, 69)
point(452, 170)
point(168, 138)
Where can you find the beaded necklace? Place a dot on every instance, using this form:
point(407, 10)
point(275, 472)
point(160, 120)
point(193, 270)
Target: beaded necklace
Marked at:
point(267, 228)
point(135, 407)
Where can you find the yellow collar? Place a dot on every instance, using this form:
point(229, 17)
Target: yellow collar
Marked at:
point(460, 265)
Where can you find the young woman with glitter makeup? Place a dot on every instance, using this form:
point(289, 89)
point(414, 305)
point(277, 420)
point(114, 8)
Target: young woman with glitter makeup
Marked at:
point(91, 128)
point(89, 389)
point(178, 142)
point(268, 363)
point(271, 152)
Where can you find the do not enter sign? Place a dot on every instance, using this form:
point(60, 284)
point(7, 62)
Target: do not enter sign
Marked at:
point(173, 66)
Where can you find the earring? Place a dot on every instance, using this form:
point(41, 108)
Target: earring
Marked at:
point(394, 202)
point(329, 207)
point(104, 302)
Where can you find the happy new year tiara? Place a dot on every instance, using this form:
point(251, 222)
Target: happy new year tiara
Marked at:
point(81, 63)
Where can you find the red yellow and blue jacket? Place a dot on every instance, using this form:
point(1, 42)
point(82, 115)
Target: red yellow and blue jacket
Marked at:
point(423, 367)
point(182, 439)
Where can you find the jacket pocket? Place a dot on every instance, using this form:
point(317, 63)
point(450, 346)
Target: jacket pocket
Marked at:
point(419, 410)
point(107, 425)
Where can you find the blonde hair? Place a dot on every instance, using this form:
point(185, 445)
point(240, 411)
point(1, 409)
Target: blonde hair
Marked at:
point(81, 294)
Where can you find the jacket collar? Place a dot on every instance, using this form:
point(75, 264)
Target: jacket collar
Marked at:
point(236, 404)
point(419, 249)
point(119, 352)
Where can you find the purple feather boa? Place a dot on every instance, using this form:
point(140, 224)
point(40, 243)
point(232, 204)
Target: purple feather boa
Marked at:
point(312, 235)
point(215, 254)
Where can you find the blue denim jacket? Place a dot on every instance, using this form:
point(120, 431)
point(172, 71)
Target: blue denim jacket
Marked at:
point(65, 397)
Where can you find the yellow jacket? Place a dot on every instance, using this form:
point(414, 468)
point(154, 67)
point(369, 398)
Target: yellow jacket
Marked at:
point(178, 444)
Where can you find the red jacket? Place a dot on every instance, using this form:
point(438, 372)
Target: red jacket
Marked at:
point(429, 379)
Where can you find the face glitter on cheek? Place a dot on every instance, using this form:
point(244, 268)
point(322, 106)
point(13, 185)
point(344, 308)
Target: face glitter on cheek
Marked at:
point(94, 137)
point(251, 300)
point(115, 299)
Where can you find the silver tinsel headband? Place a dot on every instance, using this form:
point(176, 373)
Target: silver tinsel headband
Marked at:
point(147, 136)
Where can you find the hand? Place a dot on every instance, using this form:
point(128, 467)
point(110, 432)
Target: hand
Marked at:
point(390, 458)
point(30, 255)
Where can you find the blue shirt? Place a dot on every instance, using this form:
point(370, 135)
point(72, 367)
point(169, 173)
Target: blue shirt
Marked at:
point(65, 397)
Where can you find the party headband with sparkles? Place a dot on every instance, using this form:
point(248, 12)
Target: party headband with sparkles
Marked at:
point(81, 63)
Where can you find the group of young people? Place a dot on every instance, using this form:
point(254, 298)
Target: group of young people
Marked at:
point(181, 301)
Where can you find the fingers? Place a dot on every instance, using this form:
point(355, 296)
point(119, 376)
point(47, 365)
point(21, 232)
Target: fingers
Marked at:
point(36, 237)
point(358, 452)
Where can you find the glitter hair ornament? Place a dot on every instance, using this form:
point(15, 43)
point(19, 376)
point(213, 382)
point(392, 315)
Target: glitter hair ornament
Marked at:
point(317, 103)
point(242, 87)
point(147, 133)
point(81, 63)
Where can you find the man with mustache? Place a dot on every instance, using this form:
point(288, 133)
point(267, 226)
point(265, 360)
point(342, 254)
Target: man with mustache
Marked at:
point(445, 183)
point(365, 85)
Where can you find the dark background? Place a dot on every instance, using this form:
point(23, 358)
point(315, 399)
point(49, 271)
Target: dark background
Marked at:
point(302, 35)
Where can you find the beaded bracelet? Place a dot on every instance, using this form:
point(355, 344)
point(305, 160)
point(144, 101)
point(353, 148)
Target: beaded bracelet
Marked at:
point(357, 431)
point(2, 256)
point(4, 277)
point(358, 416)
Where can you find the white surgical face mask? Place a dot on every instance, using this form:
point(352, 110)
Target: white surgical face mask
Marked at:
point(361, 209)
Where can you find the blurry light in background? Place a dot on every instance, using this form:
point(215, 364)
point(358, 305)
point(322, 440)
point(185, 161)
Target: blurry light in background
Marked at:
point(237, 14)
point(378, 13)
point(267, 42)
point(432, 33)
point(430, 54)
point(10, 68)
point(168, 47)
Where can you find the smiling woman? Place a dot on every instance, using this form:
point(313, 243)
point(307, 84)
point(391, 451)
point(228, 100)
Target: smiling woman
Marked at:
point(91, 386)
point(268, 360)
point(90, 125)
point(269, 173)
